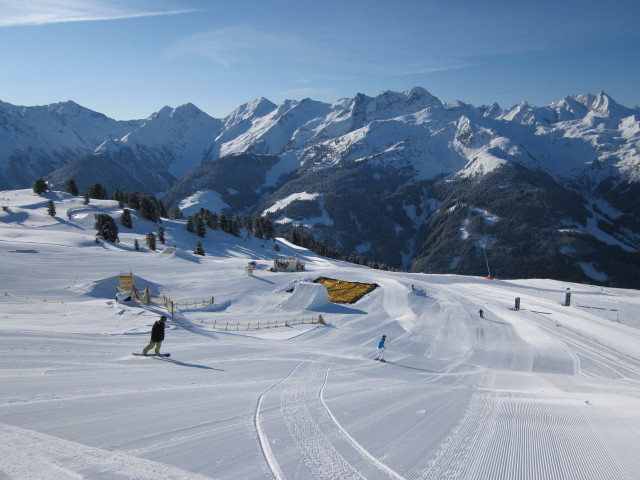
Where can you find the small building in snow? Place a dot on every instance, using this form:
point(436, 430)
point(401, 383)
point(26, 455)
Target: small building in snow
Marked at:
point(287, 264)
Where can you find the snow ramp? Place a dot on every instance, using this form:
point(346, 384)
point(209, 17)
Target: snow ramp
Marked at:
point(308, 296)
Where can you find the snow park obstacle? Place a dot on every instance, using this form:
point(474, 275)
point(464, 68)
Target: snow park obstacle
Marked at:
point(307, 296)
point(341, 291)
point(126, 282)
point(126, 290)
point(126, 286)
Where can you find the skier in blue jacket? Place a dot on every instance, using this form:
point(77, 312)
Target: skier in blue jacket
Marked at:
point(381, 349)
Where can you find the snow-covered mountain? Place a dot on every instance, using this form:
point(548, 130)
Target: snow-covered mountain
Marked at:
point(571, 138)
point(151, 157)
point(396, 177)
point(35, 141)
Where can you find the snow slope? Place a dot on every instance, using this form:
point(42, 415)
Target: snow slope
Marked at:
point(547, 392)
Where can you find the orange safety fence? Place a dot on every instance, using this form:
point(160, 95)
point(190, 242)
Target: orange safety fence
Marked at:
point(231, 325)
point(31, 299)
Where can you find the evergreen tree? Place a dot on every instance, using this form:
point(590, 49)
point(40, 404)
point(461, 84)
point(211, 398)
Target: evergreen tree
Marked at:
point(119, 196)
point(213, 221)
point(234, 228)
point(269, 230)
point(136, 245)
point(175, 213)
point(295, 238)
point(210, 219)
point(190, 224)
point(98, 192)
point(87, 199)
point(224, 223)
point(133, 199)
point(199, 250)
point(308, 242)
point(160, 235)
point(257, 228)
point(247, 223)
point(149, 208)
point(40, 186)
point(51, 208)
point(125, 219)
point(201, 228)
point(263, 228)
point(106, 227)
point(162, 211)
point(71, 188)
point(151, 241)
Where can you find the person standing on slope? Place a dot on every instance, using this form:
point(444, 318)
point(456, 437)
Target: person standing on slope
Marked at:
point(157, 336)
point(481, 313)
point(381, 349)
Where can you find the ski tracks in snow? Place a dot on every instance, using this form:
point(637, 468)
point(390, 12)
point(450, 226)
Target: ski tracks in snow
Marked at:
point(262, 438)
point(29, 454)
point(522, 437)
point(302, 439)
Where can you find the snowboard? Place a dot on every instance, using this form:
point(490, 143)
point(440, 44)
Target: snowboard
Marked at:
point(152, 355)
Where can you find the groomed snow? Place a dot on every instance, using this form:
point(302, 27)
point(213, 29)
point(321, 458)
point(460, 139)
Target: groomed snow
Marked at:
point(547, 392)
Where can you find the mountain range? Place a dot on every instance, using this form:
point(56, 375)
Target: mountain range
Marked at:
point(401, 179)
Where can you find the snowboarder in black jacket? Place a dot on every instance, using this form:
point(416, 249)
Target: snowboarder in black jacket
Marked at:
point(157, 336)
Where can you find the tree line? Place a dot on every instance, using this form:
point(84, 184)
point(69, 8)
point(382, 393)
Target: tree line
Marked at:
point(152, 209)
point(259, 227)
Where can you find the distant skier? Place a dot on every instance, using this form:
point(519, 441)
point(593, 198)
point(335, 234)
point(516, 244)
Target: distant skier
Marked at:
point(381, 348)
point(481, 313)
point(157, 336)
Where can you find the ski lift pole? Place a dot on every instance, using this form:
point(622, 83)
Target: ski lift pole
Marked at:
point(487, 262)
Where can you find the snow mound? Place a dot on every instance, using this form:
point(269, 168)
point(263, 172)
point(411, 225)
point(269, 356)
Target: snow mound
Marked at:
point(308, 296)
point(173, 252)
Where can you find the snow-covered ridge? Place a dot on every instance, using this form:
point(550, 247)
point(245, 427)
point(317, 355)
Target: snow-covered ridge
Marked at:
point(413, 125)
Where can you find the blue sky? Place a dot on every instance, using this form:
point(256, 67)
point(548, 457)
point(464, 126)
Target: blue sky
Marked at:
point(129, 58)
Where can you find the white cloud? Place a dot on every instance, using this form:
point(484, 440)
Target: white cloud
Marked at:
point(238, 44)
point(436, 66)
point(41, 12)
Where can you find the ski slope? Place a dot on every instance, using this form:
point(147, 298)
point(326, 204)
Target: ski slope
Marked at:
point(546, 392)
